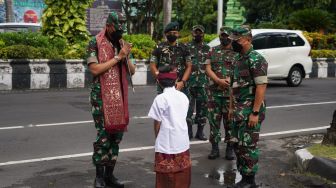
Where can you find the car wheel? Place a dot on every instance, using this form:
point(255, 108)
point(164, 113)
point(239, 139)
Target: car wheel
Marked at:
point(294, 78)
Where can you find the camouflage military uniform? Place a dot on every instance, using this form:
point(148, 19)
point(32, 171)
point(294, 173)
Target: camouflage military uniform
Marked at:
point(106, 146)
point(197, 83)
point(177, 56)
point(221, 64)
point(247, 70)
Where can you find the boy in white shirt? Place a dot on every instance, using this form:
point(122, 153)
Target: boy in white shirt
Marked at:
point(169, 111)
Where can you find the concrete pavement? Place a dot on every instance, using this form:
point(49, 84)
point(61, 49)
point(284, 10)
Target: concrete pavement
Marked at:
point(135, 168)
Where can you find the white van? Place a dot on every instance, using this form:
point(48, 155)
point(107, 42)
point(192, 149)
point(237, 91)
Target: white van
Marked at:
point(286, 51)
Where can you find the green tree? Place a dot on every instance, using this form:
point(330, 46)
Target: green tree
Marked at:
point(192, 12)
point(66, 19)
point(311, 20)
point(278, 11)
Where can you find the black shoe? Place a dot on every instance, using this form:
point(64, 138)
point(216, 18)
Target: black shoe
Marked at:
point(99, 181)
point(229, 152)
point(214, 152)
point(246, 182)
point(110, 180)
point(200, 134)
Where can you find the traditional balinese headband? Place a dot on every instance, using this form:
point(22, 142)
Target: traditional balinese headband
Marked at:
point(168, 75)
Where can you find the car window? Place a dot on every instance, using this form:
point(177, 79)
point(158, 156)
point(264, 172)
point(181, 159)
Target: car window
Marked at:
point(259, 42)
point(295, 40)
point(277, 41)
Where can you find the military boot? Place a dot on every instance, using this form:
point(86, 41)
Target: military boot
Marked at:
point(99, 181)
point(110, 179)
point(246, 182)
point(229, 153)
point(199, 134)
point(214, 152)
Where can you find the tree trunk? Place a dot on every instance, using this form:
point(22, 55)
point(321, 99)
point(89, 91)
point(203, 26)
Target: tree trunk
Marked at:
point(330, 137)
point(9, 11)
point(167, 9)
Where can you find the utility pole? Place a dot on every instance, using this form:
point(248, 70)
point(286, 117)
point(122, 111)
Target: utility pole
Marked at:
point(167, 10)
point(219, 15)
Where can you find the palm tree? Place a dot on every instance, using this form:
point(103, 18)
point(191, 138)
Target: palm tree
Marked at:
point(167, 10)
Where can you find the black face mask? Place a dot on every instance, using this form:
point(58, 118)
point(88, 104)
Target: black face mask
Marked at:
point(171, 38)
point(225, 41)
point(198, 38)
point(236, 46)
point(117, 35)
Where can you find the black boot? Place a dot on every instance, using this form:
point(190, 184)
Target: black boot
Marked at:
point(190, 131)
point(199, 133)
point(99, 181)
point(229, 153)
point(246, 182)
point(110, 180)
point(214, 151)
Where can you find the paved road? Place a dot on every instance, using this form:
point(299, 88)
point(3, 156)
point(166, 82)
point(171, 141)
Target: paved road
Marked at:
point(31, 122)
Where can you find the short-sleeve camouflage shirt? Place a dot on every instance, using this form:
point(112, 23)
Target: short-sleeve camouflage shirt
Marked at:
point(92, 51)
point(221, 61)
point(177, 55)
point(249, 69)
point(198, 53)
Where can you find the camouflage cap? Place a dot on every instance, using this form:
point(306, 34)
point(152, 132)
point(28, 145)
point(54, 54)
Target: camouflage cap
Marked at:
point(198, 27)
point(117, 19)
point(226, 30)
point(241, 31)
point(172, 26)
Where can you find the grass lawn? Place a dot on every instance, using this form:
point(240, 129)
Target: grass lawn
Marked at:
point(323, 151)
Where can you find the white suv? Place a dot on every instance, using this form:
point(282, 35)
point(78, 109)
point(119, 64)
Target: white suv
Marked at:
point(286, 51)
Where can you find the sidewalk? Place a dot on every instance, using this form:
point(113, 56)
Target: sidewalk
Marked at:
point(135, 168)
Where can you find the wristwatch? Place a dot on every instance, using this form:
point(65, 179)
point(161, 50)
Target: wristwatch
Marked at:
point(255, 113)
point(117, 58)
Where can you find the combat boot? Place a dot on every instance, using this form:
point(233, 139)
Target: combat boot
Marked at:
point(110, 179)
point(214, 152)
point(99, 181)
point(229, 152)
point(199, 133)
point(246, 182)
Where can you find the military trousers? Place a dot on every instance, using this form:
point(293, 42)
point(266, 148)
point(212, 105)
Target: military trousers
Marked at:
point(106, 145)
point(246, 138)
point(197, 99)
point(218, 108)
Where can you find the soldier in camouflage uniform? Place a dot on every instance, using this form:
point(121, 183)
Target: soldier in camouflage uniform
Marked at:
point(174, 54)
point(197, 83)
point(249, 83)
point(106, 145)
point(219, 68)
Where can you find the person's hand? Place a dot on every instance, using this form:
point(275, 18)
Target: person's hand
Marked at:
point(125, 50)
point(223, 83)
point(179, 85)
point(253, 120)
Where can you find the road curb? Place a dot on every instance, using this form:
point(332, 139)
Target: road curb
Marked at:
point(307, 162)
